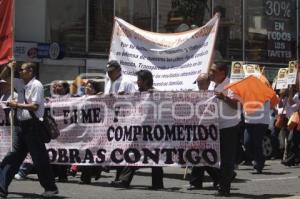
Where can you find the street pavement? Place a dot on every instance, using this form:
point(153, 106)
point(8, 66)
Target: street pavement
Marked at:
point(276, 182)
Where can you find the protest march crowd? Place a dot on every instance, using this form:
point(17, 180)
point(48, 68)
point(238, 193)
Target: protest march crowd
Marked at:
point(244, 104)
point(241, 133)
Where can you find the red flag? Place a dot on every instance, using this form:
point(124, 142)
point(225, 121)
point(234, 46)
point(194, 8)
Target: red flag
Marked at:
point(253, 93)
point(6, 31)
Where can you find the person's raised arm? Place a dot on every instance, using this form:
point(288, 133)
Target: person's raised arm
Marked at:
point(5, 73)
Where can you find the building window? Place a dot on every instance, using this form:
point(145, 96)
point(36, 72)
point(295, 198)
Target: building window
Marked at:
point(140, 13)
point(66, 22)
point(270, 34)
point(182, 15)
point(229, 38)
point(49, 73)
point(101, 13)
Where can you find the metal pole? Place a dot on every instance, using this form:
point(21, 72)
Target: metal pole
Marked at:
point(297, 36)
point(157, 16)
point(244, 29)
point(87, 26)
point(114, 8)
point(212, 8)
point(12, 112)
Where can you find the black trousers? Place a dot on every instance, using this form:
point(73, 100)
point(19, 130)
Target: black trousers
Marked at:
point(293, 148)
point(197, 175)
point(228, 147)
point(127, 174)
point(87, 172)
point(26, 139)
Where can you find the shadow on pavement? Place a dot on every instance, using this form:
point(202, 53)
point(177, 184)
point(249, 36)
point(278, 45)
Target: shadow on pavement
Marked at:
point(264, 196)
point(239, 180)
point(166, 175)
point(29, 195)
point(271, 173)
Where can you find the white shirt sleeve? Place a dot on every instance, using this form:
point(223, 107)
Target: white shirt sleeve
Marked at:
point(127, 87)
point(130, 88)
point(37, 94)
point(296, 99)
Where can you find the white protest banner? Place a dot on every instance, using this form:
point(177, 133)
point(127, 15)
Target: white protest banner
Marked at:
point(282, 78)
point(175, 59)
point(237, 72)
point(144, 129)
point(292, 73)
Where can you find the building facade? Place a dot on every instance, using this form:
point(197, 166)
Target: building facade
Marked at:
point(265, 32)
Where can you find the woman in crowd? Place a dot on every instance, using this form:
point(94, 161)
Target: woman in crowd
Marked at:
point(292, 152)
point(60, 89)
point(87, 172)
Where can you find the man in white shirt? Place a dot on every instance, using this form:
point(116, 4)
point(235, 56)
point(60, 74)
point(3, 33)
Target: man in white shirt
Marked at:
point(26, 138)
point(117, 83)
point(229, 120)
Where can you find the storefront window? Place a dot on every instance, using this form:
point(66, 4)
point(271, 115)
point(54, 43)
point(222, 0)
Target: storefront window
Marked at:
point(66, 24)
point(101, 14)
point(141, 13)
point(229, 39)
point(49, 73)
point(181, 15)
point(270, 34)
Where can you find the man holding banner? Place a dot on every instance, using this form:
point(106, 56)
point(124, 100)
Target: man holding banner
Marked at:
point(197, 175)
point(229, 119)
point(117, 83)
point(26, 138)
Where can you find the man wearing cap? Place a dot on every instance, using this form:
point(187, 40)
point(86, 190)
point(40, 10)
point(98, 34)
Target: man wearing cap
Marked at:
point(117, 84)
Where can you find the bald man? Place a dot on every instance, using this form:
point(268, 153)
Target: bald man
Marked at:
point(197, 175)
point(203, 81)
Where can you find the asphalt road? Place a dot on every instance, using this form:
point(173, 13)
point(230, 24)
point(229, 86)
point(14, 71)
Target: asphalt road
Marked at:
point(277, 181)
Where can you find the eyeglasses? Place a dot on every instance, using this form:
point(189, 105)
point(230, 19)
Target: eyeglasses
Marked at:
point(22, 69)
